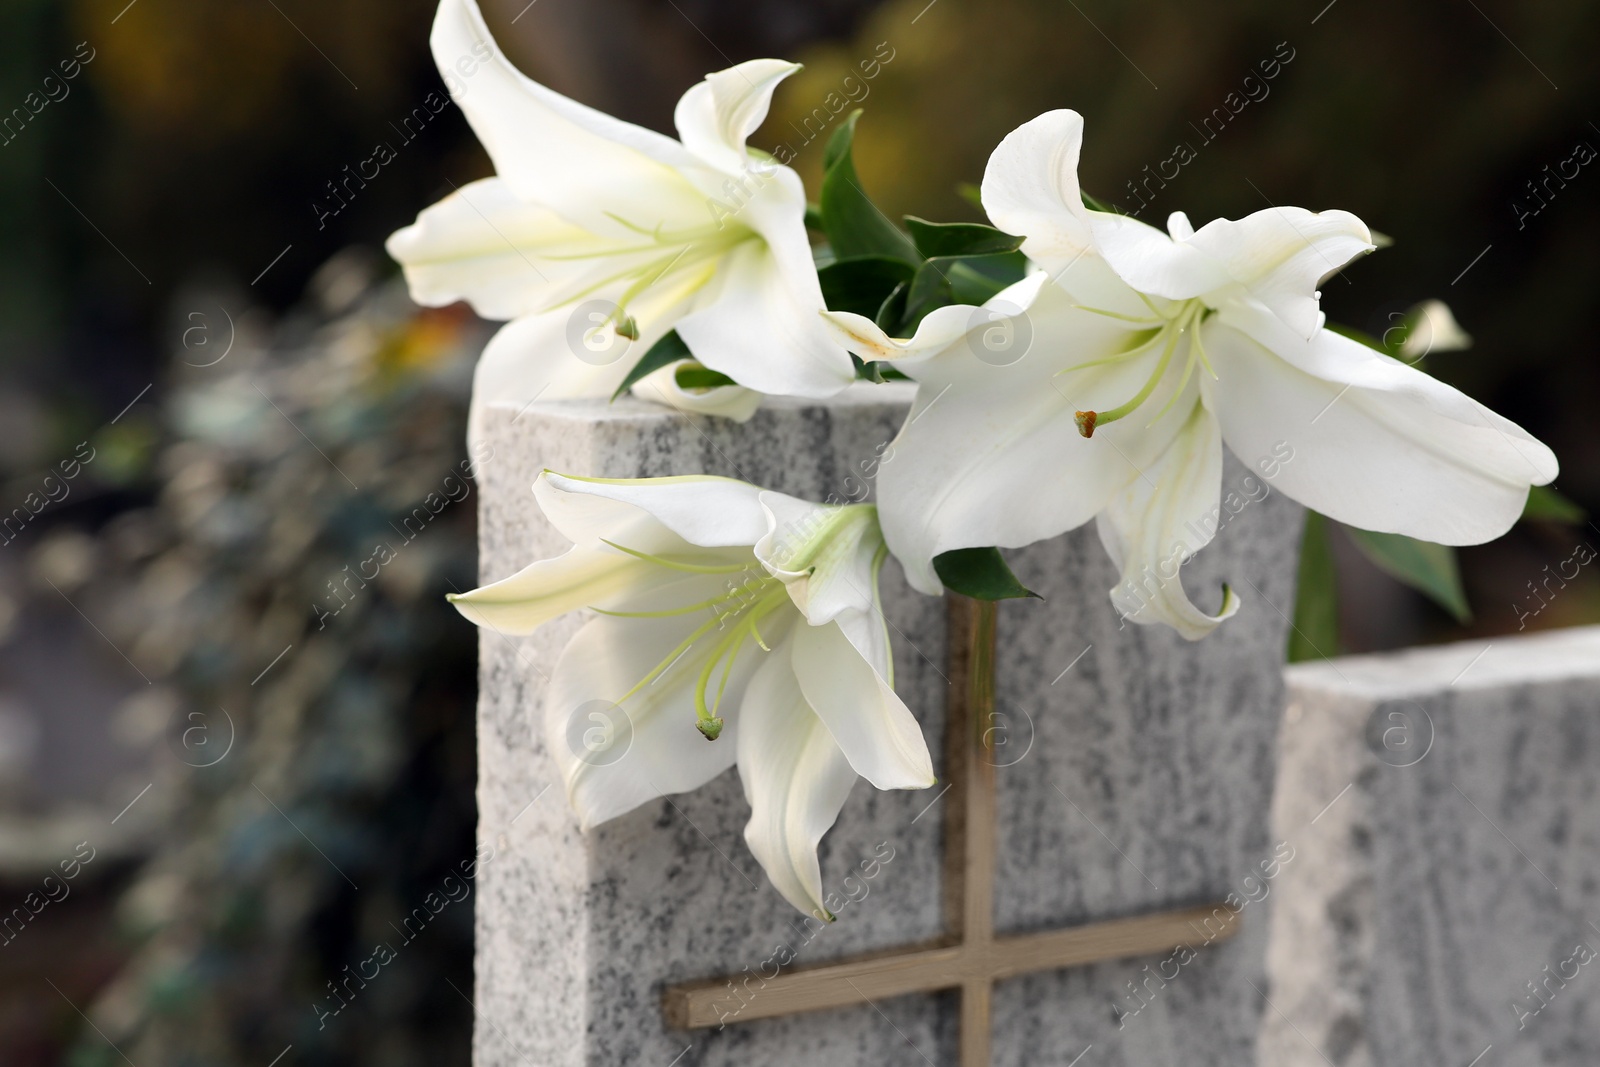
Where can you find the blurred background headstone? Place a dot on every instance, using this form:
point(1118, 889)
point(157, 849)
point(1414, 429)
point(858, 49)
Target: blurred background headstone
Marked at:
point(1445, 894)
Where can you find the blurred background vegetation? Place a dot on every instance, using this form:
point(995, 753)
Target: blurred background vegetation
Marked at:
point(158, 209)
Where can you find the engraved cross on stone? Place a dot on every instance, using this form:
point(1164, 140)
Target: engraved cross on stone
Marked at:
point(971, 957)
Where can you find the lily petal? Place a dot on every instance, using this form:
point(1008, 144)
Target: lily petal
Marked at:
point(702, 510)
point(1030, 187)
point(654, 748)
point(729, 401)
point(1152, 262)
point(555, 355)
point(879, 735)
point(795, 778)
point(717, 116)
point(838, 584)
point(759, 322)
point(827, 555)
point(582, 577)
point(1374, 443)
point(482, 244)
point(590, 167)
point(1279, 256)
point(1159, 521)
point(940, 328)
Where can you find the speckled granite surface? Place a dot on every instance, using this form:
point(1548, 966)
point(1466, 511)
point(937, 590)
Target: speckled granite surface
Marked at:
point(1446, 804)
point(1140, 770)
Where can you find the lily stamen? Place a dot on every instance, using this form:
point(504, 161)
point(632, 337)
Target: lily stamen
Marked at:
point(1147, 343)
point(1118, 315)
point(669, 659)
point(1189, 315)
point(680, 250)
point(1088, 420)
point(1183, 382)
point(707, 721)
point(1200, 350)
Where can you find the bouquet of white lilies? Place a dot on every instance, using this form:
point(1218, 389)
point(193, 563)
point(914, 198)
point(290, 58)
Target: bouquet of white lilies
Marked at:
point(1071, 363)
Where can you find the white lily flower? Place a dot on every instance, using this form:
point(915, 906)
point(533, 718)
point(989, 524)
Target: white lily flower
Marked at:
point(1149, 353)
point(725, 612)
point(597, 237)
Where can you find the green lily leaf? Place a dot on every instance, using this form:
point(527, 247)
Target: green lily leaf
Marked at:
point(893, 309)
point(958, 238)
point(980, 573)
point(929, 289)
point(854, 224)
point(861, 284)
point(665, 352)
point(694, 376)
point(1546, 504)
point(1429, 568)
point(814, 218)
point(975, 279)
point(1316, 604)
point(947, 280)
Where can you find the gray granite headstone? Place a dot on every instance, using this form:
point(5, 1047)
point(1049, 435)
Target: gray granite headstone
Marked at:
point(1445, 806)
point(1136, 775)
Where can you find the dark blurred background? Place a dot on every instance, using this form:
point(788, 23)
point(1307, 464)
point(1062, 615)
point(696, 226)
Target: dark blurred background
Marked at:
point(216, 403)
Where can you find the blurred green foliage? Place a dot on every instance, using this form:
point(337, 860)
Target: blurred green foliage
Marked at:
point(285, 592)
